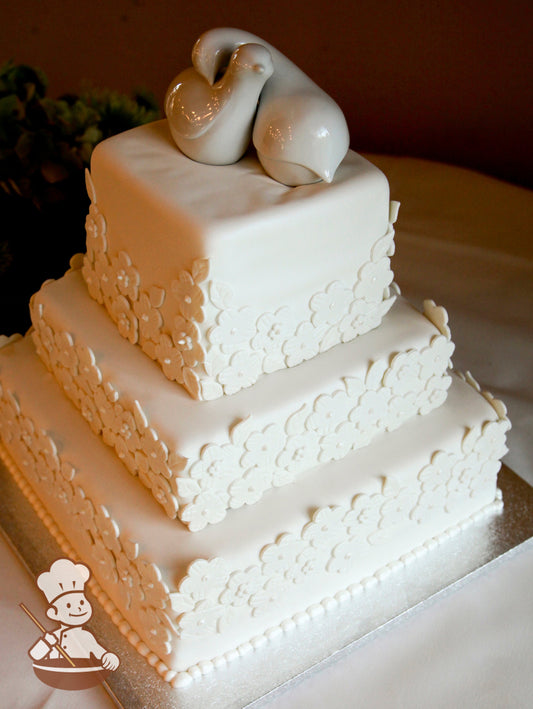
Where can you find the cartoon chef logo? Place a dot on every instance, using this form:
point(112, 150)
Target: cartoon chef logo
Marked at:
point(69, 657)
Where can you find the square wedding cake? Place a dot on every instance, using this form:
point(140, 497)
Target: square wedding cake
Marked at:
point(226, 410)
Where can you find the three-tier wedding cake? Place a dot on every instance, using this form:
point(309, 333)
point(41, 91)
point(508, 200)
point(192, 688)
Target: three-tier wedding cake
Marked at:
point(225, 408)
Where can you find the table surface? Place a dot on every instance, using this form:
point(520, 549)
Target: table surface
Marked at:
point(464, 240)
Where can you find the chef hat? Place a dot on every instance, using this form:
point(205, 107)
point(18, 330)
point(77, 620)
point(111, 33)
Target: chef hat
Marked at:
point(64, 577)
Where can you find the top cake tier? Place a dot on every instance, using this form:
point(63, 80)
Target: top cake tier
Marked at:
point(221, 274)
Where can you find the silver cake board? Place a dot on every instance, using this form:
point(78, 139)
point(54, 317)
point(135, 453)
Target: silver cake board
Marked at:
point(244, 682)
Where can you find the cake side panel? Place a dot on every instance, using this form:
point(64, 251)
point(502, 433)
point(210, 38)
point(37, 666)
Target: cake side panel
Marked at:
point(201, 460)
point(220, 274)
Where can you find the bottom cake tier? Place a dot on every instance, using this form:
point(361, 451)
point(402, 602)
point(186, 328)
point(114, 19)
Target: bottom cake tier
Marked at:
point(193, 601)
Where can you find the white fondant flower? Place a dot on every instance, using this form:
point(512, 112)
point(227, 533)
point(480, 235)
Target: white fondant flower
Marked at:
point(204, 579)
point(397, 509)
point(466, 469)
point(64, 490)
point(66, 354)
point(234, 329)
point(384, 246)
point(492, 441)
point(373, 280)
point(435, 394)
point(263, 447)
point(486, 475)
point(169, 357)
point(45, 335)
point(95, 228)
point(154, 448)
point(241, 586)
point(403, 375)
point(437, 474)
point(47, 451)
point(309, 562)
point(244, 369)
point(435, 358)
point(360, 318)
point(154, 589)
point(90, 413)
point(126, 454)
point(186, 336)
point(331, 305)
point(126, 276)
point(125, 318)
point(400, 409)
point(216, 467)
point(206, 508)
point(328, 412)
point(89, 374)
point(428, 504)
point(163, 494)
point(105, 407)
point(128, 581)
point(92, 281)
point(249, 488)
point(148, 317)
point(27, 430)
point(326, 528)
point(300, 452)
point(84, 510)
point(272, 590)
point(338, 444)
point(272, 330)
point(106, 277)
point(281, 556)
point(458, 494)
point(157, 634)
point(344, 556)
point(203, 621)
point(108, 529)
point(25, 458)
point(189, 296)
point(364, 317)
point(364, 515)
point(69, 384)
point(303, 345)
point(126, 428)
point(142, 467)
point(372, 410)
point(104, 561)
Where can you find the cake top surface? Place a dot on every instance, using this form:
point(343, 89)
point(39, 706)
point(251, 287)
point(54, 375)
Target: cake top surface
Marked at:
point(148, 158)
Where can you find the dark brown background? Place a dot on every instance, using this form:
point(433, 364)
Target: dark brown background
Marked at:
point(450, 81)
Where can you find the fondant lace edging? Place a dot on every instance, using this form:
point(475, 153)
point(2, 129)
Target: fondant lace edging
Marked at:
point(235, 345)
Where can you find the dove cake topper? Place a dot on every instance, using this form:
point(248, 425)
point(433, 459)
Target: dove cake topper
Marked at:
point(240, 88)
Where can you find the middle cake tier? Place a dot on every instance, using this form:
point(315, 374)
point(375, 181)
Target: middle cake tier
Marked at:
point(201, 458)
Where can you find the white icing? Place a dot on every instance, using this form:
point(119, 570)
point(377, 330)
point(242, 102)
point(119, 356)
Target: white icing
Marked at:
point(199, 461)
point(194, 598)
point(213, 294)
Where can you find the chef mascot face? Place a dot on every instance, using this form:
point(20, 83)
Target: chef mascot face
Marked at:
point(63, 587)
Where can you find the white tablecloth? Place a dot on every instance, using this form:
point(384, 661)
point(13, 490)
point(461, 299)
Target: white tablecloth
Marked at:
point(464, 240)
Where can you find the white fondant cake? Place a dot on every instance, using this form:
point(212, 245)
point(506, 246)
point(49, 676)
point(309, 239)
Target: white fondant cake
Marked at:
point(221, 274)
point(196, 600)
point(341, 467)
point(201, 458)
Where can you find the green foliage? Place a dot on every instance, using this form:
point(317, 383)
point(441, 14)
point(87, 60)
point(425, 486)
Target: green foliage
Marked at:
point(45, 142)
point(45, 146)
